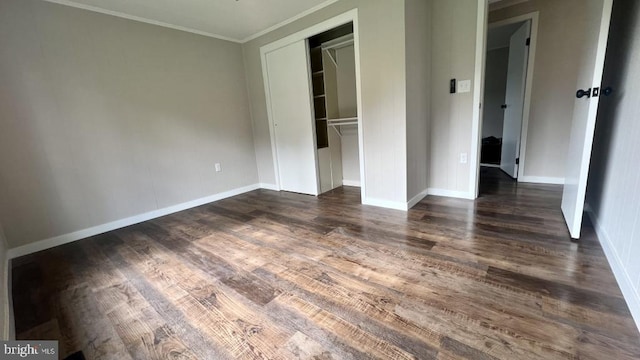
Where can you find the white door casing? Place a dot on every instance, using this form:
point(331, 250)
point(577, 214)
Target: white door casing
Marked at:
point(591, 65)
point(516, 81)
point(290, 105)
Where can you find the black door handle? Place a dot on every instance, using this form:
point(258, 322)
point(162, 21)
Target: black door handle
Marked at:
point(503, 106)
point(582, 93)
point(607, 91)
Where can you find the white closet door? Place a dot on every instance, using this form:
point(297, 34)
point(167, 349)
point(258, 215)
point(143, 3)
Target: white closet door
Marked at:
point(291, 114)
point(590, 62)
point(516, 78)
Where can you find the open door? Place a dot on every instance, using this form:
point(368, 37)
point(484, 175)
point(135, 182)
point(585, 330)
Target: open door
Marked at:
point(289, 101)
point(514, 100)
point(591, 64)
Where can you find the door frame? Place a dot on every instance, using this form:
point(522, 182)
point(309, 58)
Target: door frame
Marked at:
point(526, 110)
point(344, 18)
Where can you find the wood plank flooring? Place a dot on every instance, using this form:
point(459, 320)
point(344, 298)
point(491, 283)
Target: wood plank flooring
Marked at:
point(268, 275)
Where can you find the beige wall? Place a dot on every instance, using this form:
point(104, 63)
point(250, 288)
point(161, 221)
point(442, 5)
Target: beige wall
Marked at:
point(103, 118)
point(453, 50)
point(418, 59)
point(347, 105)
point(554, 82)
point(613, 191)
point(495, 90)
point(382, 60)
point(346, 81)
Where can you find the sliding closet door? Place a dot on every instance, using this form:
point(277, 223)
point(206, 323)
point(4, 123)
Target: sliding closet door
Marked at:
point(291, 113)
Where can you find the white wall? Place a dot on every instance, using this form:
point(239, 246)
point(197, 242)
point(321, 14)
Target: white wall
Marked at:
point(347, 106)
point(346, 81)
point(453, 50)
point(383, 77)
point(494, 92)
point(103, 118)
point(418, 14)
point(613, 192)
point(554, 82)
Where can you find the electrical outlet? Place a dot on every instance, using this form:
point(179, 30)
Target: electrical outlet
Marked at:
point(218, 167)
point(464, 86)
point(463, 158)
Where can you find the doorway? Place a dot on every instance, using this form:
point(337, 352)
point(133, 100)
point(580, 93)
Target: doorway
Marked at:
point(508, 72)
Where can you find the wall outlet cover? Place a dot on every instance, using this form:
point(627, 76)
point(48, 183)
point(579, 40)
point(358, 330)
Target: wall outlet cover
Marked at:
point(464, 86)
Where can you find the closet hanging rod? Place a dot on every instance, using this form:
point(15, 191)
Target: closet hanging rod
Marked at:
point(343, 121)
point(340, 44)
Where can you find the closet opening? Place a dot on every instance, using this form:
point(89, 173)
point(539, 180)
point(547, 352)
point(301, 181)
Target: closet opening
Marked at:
point(335, 110)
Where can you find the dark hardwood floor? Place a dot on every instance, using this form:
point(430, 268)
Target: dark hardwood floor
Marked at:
point(269, 275)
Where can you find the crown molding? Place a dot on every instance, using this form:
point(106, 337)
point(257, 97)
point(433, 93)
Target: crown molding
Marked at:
point(289, 21)
point(140, 19)
point(190, 30)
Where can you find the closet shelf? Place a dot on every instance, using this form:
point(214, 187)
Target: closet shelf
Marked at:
point(343, 121)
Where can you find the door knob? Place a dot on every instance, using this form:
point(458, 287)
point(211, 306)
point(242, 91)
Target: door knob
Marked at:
point(607, 91)
point(582, 93)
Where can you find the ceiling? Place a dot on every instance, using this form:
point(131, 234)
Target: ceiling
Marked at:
point(235, 20)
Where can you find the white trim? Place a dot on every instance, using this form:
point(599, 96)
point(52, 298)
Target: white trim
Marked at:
point(629, 291)
point(416, 199)
point(288, 21)
point(141, 19)
point(478, 97)
point(99, 229)
point(344, 18)
point(541, 180)
point(496, 4)
point(351, 182)
point(266, 186)
point(451, 193)
point(5, 302)
point(490, 165)
point(526, 110)
point(385, 204)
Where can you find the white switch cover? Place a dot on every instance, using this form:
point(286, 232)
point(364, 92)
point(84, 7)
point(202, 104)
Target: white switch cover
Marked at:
point(463, 158)
point(218, 167)
point(464, 86)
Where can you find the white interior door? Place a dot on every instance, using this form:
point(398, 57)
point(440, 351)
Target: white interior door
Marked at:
point(291, 114)
point(591, 64)
point(516, 79)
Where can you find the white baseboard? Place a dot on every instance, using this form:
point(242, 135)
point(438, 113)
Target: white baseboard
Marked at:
point(541, 180)
point(451, 193)
point(490, 165)
point(6, 309)
point(99, 229)
point(385, 204)
point(273, 187)
point(416, 199)
point(351, 183)
point(629, 291)
point(5, 301)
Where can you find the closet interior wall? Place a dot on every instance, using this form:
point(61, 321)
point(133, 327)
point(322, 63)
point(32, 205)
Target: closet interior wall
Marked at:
point(334, 92)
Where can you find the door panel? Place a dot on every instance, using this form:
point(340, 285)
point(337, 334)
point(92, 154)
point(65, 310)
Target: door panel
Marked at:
point(516, 79)
point(291, 112)
point(591, 64)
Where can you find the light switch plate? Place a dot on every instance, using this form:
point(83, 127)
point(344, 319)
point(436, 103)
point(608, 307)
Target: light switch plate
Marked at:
point(464, 86)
